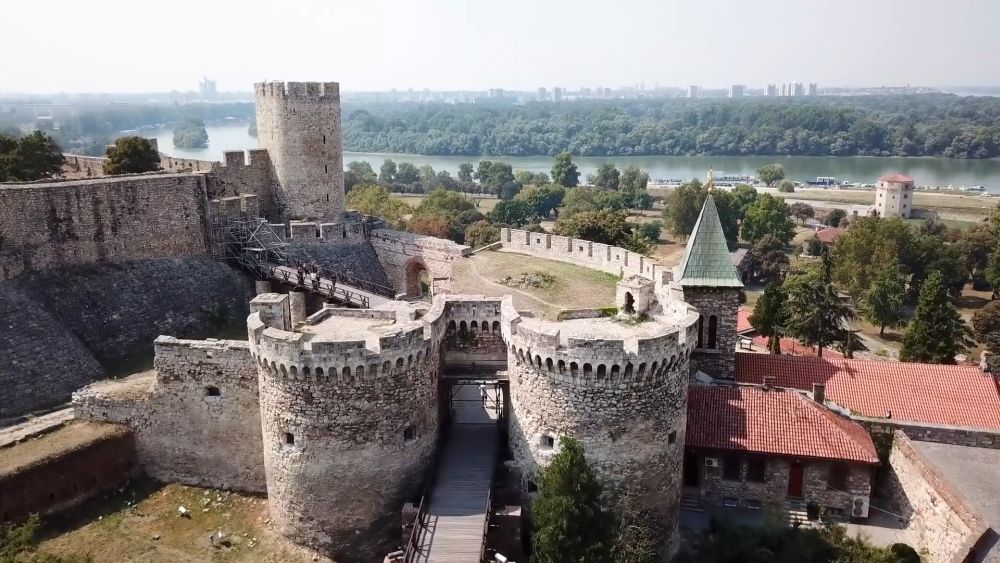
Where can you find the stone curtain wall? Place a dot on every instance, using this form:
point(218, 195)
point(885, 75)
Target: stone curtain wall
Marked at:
point(774, 489)
point(78, 167)
point(349, 429)
point(117, 310)
point(46, 225)
point(41, 362)
point(68, 476)
point(350, 257)
point(937, 516)
point(246, 173)
point(298, 123)
point(610, 259)
point(184, 431)
point(955, 435)
point(396, 250)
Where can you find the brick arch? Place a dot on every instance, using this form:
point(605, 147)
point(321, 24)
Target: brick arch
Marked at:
point(415, 267)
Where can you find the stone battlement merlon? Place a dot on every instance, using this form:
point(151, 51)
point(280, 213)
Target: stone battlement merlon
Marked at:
point(299, 90)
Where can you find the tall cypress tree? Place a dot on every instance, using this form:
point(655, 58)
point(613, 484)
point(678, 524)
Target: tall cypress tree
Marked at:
point(571, 524)
point(937, 332)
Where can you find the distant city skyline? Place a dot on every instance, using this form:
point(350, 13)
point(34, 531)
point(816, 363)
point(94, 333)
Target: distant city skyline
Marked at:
point(449, 45)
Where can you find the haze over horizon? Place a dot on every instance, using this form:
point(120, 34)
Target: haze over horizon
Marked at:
point(111, 46)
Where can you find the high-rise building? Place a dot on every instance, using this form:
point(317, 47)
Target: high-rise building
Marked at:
point(207, 88)
point(557, 94)
point(543, 94)
point(798, 89)
point(771, 90)
point(737, 91)
point(694, 91)
point(813, 89)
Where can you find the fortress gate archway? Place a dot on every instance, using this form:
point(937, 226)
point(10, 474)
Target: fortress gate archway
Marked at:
point(418, 279)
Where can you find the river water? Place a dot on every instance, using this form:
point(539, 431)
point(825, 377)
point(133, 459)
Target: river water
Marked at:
point(928, 171)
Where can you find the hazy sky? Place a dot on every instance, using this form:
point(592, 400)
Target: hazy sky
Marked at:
point(146, 45)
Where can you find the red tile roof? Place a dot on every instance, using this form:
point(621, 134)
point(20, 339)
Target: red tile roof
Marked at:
point(830, 234)
point(793, 347)
point(775, 421)
point(897, 177)
point(743, 321)
point(912, 392)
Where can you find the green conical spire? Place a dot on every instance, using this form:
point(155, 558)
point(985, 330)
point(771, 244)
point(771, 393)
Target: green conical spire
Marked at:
point(706, 260)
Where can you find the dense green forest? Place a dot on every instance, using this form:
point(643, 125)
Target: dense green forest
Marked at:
point(918, 125)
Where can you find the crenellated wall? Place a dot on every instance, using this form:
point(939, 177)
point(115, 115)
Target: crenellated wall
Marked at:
point(620, 389)
point(349, 423)
point(196, 418)
point(610, 259)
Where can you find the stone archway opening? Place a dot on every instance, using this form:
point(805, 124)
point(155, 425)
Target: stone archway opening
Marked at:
point(629, 307)
point(418, 279)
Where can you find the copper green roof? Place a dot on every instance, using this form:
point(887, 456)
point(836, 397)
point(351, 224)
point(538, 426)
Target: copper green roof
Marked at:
point(706, 260)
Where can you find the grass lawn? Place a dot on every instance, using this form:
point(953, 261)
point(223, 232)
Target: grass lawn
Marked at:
point(140, 522)
point(575, 287)
point(483, 204)
point(959, 208)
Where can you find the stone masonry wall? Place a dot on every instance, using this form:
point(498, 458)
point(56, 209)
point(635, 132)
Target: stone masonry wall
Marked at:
point(723, 303)
point(51, 224)
point(938, 517)
point(355, 258)
point(632, 427)
point(118, 309)
point(714, 488)
point(400, 252)
point(344, 448)
point(41, 362)
point(610, 259)
point(298, 123)
point(956, 435)
point(196, 420)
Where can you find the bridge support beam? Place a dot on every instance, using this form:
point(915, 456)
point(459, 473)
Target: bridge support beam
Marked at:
point(297, 303)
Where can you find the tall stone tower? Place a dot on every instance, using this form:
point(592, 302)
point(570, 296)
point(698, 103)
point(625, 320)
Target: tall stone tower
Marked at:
point(709, 282)
point(299, 125)
point(894, 196)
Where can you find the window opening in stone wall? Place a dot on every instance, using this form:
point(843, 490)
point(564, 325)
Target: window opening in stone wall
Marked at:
point(324, 139)
point(532, 487)
point(409, 434)
point(629, 307)
point(701, 326)
point(289, 439)
point(731, 468)
point(730, 502)
point(326, 170)
point(713, 329)
point(672, 437)
point(838, 477)
point(756, 470)
point(547, 441)
point(212, 391)
point(753, 504)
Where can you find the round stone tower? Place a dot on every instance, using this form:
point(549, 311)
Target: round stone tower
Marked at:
point(620, 389)
point(299, 125)
point(348, 405)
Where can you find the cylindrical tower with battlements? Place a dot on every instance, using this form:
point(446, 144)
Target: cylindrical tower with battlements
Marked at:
point(620, 388)
point(299, 125)
point(348, 404)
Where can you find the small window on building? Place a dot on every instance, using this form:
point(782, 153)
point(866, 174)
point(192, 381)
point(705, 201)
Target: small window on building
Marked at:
point(547, 441)
point(753, 504)
point(838, 477)
point(409, 434)
point(756, 469)
point(672, 437)
point(289, 439)
point(212, 391)
point(730, 502)
point(731, 466)
point(713, 331)
point(532, 487)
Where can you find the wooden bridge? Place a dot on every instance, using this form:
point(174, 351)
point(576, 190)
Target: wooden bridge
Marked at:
point(451, 528)
point(335, 286)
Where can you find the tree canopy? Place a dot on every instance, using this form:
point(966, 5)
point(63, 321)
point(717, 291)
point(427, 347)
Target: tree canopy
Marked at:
point(816, 314)
point(190, 134)
point(131, 155)
point(771, 174)
point(882, 304)
point(32, 157)
point(564, 171)
point(769, 315)
point(937, 333)
point(571, 523)
point(376, 200)
point(768, 215)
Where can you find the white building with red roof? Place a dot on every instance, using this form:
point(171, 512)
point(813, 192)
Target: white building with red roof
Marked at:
point(894, 196)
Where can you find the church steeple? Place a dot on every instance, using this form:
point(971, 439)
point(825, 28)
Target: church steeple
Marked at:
point(706, 261)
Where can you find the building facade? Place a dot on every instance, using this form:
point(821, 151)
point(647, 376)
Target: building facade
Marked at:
point(894, 196)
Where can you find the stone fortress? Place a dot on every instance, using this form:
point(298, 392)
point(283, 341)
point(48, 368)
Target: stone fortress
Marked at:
point(339, 413)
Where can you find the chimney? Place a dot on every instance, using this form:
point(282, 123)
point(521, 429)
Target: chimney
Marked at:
point(819, 392)
point(770, 382)
point(984, 361)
